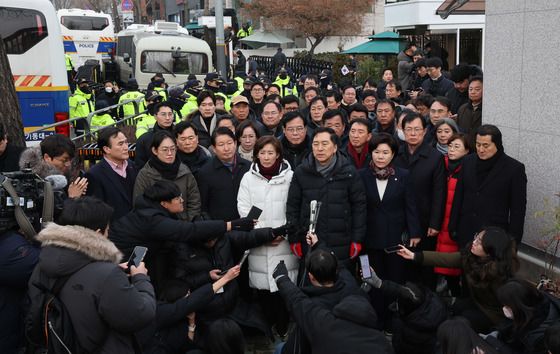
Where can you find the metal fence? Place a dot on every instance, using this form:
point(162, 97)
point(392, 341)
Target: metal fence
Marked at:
point(297, 66)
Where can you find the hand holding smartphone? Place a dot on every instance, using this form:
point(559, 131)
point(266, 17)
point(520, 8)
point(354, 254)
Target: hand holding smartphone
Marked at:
point(137, 256)
point(392, 249)
point(240, 264)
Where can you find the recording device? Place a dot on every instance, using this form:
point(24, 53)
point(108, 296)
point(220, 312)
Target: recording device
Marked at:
point(364, 263)
point(314, 208)
point(245, 255)
point(28, 191)
point(392, 249)
point(137, 256)
point(254, 213)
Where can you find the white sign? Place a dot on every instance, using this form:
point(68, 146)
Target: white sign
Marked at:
point(344, 70)
point(128, 16)
point(210, 21)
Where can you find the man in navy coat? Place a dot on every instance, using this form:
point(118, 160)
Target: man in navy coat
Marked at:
point(112, 179)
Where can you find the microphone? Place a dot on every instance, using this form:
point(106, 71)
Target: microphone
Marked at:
point(58, 182)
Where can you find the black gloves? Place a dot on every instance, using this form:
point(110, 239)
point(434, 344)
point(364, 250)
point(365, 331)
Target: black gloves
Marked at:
point(280, 271)
point(283, 231)
point(242, 224)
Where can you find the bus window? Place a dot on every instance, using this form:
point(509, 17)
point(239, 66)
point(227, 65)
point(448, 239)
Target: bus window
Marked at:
point(21, 29)
point(84, 23)
point(188, 63)
point(124, 45)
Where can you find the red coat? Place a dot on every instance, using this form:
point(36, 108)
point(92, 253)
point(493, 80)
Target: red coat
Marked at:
point(444, 241)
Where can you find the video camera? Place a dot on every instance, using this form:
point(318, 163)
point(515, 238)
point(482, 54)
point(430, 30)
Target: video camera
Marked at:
point(26, 200)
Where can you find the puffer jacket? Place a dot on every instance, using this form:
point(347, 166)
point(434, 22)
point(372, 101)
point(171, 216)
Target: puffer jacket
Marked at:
point(270, 197)
point(105, 306)
point(185, 180)
point(342, 217)
point(415, 330)
point(444, 241)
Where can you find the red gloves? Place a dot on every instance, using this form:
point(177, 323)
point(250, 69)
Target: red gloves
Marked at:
point(296, 249)
point(355, 249)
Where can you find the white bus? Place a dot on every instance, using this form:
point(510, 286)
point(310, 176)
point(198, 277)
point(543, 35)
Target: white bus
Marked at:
point(87, 35)
point(166, 48)
point(31, 35)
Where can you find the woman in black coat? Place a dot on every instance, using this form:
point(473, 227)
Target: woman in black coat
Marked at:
point(391, 215)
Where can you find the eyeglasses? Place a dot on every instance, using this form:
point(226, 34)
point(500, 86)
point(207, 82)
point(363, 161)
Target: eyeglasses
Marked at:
point(188, 138)
point(64, 161)
point(165, 114)
point(168, 150)
point(454, 147)
point(257, 90)
point(268, 114)
point(295, 129)
point(179, 198)
point(413, 130)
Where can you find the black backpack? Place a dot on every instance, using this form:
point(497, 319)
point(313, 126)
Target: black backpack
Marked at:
point(57, 333)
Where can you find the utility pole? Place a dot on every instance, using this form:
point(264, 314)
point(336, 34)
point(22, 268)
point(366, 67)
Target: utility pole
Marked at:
point(220, 45)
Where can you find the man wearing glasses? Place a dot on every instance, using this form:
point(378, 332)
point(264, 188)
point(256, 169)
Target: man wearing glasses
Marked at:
point(427, 175)
point(164, 115)
point(54, 157)
point(295, 141)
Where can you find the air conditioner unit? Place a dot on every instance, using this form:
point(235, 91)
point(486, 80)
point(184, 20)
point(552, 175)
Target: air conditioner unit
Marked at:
point(163, 26)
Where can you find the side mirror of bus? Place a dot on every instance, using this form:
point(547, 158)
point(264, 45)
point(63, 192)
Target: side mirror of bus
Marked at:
point(126, 57)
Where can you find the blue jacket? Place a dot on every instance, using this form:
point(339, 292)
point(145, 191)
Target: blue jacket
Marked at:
point(17, 260)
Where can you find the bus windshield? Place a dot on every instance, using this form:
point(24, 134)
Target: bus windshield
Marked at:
point(187, 63)
point(84, 23)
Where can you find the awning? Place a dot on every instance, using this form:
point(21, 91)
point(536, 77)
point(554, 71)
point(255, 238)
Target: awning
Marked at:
point(461, 7)
point(193, 26)
point(260, 38)
point(381, 43)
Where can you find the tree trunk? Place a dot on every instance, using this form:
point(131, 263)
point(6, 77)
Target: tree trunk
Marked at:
point(11, 114)
point(314, 45)
point(115, 15)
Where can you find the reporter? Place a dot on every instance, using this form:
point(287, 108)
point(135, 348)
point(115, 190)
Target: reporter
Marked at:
point(487, 263)
point(105, 305)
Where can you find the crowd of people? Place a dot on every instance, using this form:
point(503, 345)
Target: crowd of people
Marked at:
point(401, 174)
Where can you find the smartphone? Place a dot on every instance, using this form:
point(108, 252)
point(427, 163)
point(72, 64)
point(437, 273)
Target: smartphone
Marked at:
point(245, 255)
point(254, 213)
point(392, 249)
point(137, 256)
point(364, 263)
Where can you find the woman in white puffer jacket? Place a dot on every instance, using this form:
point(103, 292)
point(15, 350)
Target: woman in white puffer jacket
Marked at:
point(266, 186)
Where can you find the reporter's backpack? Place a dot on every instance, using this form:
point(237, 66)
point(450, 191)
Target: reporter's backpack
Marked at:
point(57, 333)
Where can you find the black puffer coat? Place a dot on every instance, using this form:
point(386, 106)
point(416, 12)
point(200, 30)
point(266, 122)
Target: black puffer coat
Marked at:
point(150, 225)
point(106, 307)
point(414, 330)
point(346, 329)
point(342, 217)
point(196, 261)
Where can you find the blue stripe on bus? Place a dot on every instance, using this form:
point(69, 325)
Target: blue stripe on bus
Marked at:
point(69, 47)
point(105, 47)
point(38, 107)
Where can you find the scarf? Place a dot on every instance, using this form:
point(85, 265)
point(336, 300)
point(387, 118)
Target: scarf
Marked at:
point(247, 155)
point(441, 148)
point(453, 166)
point(269, 172)
point(326, 170)
point(167, 170)
point(293, 147)
point(231, 165)
point(359, 158)
point(483, 167)
point(382, 173)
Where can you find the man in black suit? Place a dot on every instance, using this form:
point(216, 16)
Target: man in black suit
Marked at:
point(218, 180)
point(427, 176)
point(112, 179)
point(491, 191)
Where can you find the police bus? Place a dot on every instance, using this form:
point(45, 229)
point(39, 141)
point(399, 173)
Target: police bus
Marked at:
point(31, 36)
point(87, 35)
point(165, 47)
